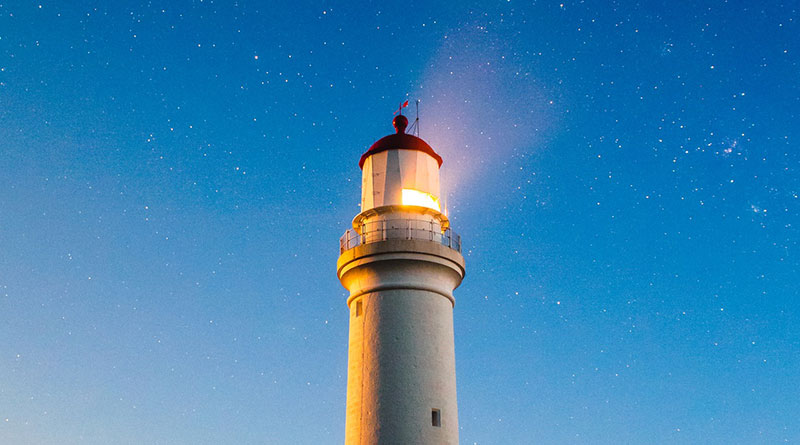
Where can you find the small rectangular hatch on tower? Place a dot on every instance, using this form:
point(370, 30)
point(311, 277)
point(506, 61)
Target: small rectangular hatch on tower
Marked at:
point(436, 417)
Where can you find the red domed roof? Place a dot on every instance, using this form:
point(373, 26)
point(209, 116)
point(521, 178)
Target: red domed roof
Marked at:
point(399, 141)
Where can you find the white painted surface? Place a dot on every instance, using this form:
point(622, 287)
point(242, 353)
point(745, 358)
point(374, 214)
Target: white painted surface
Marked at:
point(401, 362)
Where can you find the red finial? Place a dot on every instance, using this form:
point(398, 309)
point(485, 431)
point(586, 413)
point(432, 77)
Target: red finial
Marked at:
point(400, 108)
point(400, 123)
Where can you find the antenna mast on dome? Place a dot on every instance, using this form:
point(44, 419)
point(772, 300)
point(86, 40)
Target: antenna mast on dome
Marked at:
point(414, 129)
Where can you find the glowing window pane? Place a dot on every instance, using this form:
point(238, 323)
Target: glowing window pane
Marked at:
point(413, 197)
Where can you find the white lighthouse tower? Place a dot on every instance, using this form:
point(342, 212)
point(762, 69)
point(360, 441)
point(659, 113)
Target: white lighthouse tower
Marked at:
point(400, 263)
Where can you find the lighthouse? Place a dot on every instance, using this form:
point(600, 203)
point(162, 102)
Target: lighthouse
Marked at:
point(400, 263)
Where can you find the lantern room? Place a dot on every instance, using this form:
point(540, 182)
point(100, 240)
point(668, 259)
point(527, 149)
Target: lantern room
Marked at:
point(400, 175)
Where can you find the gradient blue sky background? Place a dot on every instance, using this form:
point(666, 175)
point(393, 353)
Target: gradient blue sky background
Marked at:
point(174, 178)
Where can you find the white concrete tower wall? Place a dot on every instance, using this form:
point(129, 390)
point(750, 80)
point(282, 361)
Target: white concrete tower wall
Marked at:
point(401, 365)
point(401, 385)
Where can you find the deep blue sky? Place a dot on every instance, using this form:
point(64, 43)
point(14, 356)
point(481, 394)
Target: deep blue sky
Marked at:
point(174, 178)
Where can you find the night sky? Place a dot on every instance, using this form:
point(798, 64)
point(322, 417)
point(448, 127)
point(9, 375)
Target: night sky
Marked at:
point(175, 176)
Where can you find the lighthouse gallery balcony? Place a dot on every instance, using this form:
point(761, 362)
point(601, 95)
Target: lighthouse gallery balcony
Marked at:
point(395, 229)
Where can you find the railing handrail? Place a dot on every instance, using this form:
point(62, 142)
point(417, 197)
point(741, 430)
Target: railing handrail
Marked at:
point(382, 230)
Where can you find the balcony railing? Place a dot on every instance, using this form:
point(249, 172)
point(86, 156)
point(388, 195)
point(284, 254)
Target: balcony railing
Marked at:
point(410, 229)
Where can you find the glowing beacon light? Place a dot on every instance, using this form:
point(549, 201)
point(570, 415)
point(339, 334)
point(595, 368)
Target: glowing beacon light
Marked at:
point(413, 197)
